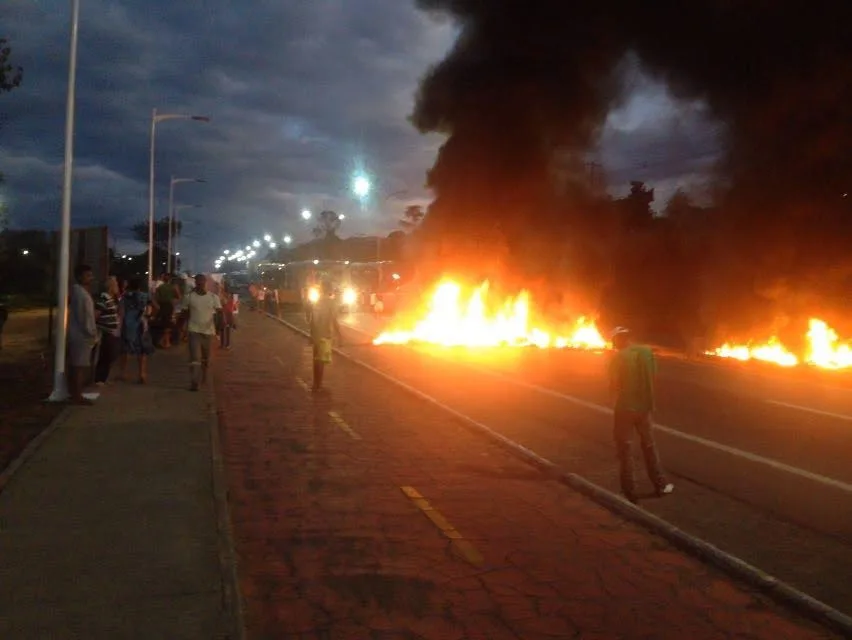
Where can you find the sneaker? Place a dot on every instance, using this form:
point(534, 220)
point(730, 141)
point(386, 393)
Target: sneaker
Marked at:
point(666, 489)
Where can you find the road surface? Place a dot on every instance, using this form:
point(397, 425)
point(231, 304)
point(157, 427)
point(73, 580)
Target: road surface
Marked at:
point(760, 457)
point(364, 512)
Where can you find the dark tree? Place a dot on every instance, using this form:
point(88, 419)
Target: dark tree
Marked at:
point(328, 223)
point(412, 217)
point(635, 208)
point(10, 75)
point(161, 233)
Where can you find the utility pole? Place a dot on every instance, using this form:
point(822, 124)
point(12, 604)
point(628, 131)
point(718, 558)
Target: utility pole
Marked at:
point(594, 175)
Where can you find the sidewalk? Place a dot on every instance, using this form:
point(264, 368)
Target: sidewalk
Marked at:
point(110, 529)
point(365, 513)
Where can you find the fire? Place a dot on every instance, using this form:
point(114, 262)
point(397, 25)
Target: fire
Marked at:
point(823, 350)
point(454, 319)
point(772, 351)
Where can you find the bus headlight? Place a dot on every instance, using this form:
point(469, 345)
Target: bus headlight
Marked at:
point(313, 295)
point(350, 296)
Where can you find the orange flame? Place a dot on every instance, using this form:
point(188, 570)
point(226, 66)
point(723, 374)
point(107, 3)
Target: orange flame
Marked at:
point(823, 350)
point(453, 319)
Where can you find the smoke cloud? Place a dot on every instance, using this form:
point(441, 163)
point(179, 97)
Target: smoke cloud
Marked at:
point(528, 78)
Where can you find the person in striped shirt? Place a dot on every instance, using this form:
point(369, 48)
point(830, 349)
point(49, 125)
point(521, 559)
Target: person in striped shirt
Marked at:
point(107, 312)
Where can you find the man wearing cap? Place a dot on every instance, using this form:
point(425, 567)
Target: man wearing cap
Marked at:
point(324, 326)
point(631, 373)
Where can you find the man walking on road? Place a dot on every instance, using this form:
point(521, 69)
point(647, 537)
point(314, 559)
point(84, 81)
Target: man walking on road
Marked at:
point(632, 373)
point(202, 307)
point(324, 325)
point(82, 333)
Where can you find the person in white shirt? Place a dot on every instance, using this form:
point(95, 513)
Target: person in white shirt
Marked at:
point(202, 307)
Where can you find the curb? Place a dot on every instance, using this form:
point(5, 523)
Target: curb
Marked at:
point(233, 604)
point(32, 447)
point(780, 591)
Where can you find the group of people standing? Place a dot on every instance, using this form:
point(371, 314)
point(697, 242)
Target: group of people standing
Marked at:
point(117, 325)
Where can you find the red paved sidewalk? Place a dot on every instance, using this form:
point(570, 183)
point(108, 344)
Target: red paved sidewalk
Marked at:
point(330, 546)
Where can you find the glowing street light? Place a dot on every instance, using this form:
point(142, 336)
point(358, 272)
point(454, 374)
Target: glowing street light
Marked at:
point(248, 247)
point(226, 251)
point(25, 252)
point(306, 214)
point(340, 216)
point(361, 186)
point(272, 245)
point(255, 244)
point(267, 238)
point(287, 239)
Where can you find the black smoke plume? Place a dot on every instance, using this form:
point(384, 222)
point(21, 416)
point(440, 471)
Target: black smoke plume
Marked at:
point(528, 78)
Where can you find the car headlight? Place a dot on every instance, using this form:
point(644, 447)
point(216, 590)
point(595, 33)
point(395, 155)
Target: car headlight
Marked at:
point(350, 296)
point(313, 295)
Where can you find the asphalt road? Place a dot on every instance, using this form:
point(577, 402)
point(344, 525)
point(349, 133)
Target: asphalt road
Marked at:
point(760, 456)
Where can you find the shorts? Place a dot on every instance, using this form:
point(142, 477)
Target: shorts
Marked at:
point(322, 350)
point(199, 348)
point(80, 353)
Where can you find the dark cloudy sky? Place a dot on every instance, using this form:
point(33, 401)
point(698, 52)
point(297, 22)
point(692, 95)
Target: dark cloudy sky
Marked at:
point(301, 93)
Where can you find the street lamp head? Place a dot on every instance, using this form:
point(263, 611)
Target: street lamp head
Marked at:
point(226, 251)
point(288, 239)
point(306, 214)
point(267, 238)
point(341, 217)
point(256, 243)
point(272, 245)
point(200, 118)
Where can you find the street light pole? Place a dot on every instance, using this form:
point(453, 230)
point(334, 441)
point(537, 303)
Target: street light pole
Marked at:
point(151, 200)
point(171, 222)
point(155, 118)
point(175, 210)
point(172, 184)
point(60, 387)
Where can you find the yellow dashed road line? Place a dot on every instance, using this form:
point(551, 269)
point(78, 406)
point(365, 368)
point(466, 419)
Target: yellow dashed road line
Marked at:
point(340, 422)
point(464, 548)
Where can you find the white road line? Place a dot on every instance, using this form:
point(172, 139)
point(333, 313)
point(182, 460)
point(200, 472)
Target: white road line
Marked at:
point(710, 444)
point(819, 412)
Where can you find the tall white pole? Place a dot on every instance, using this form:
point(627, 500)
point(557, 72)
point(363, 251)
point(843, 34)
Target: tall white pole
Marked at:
point(60, 387)
point(151, 202)
point(171, 222)
point(177, 235)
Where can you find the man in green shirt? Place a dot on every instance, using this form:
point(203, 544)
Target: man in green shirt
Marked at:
point(324, 326)
point(632, 372)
